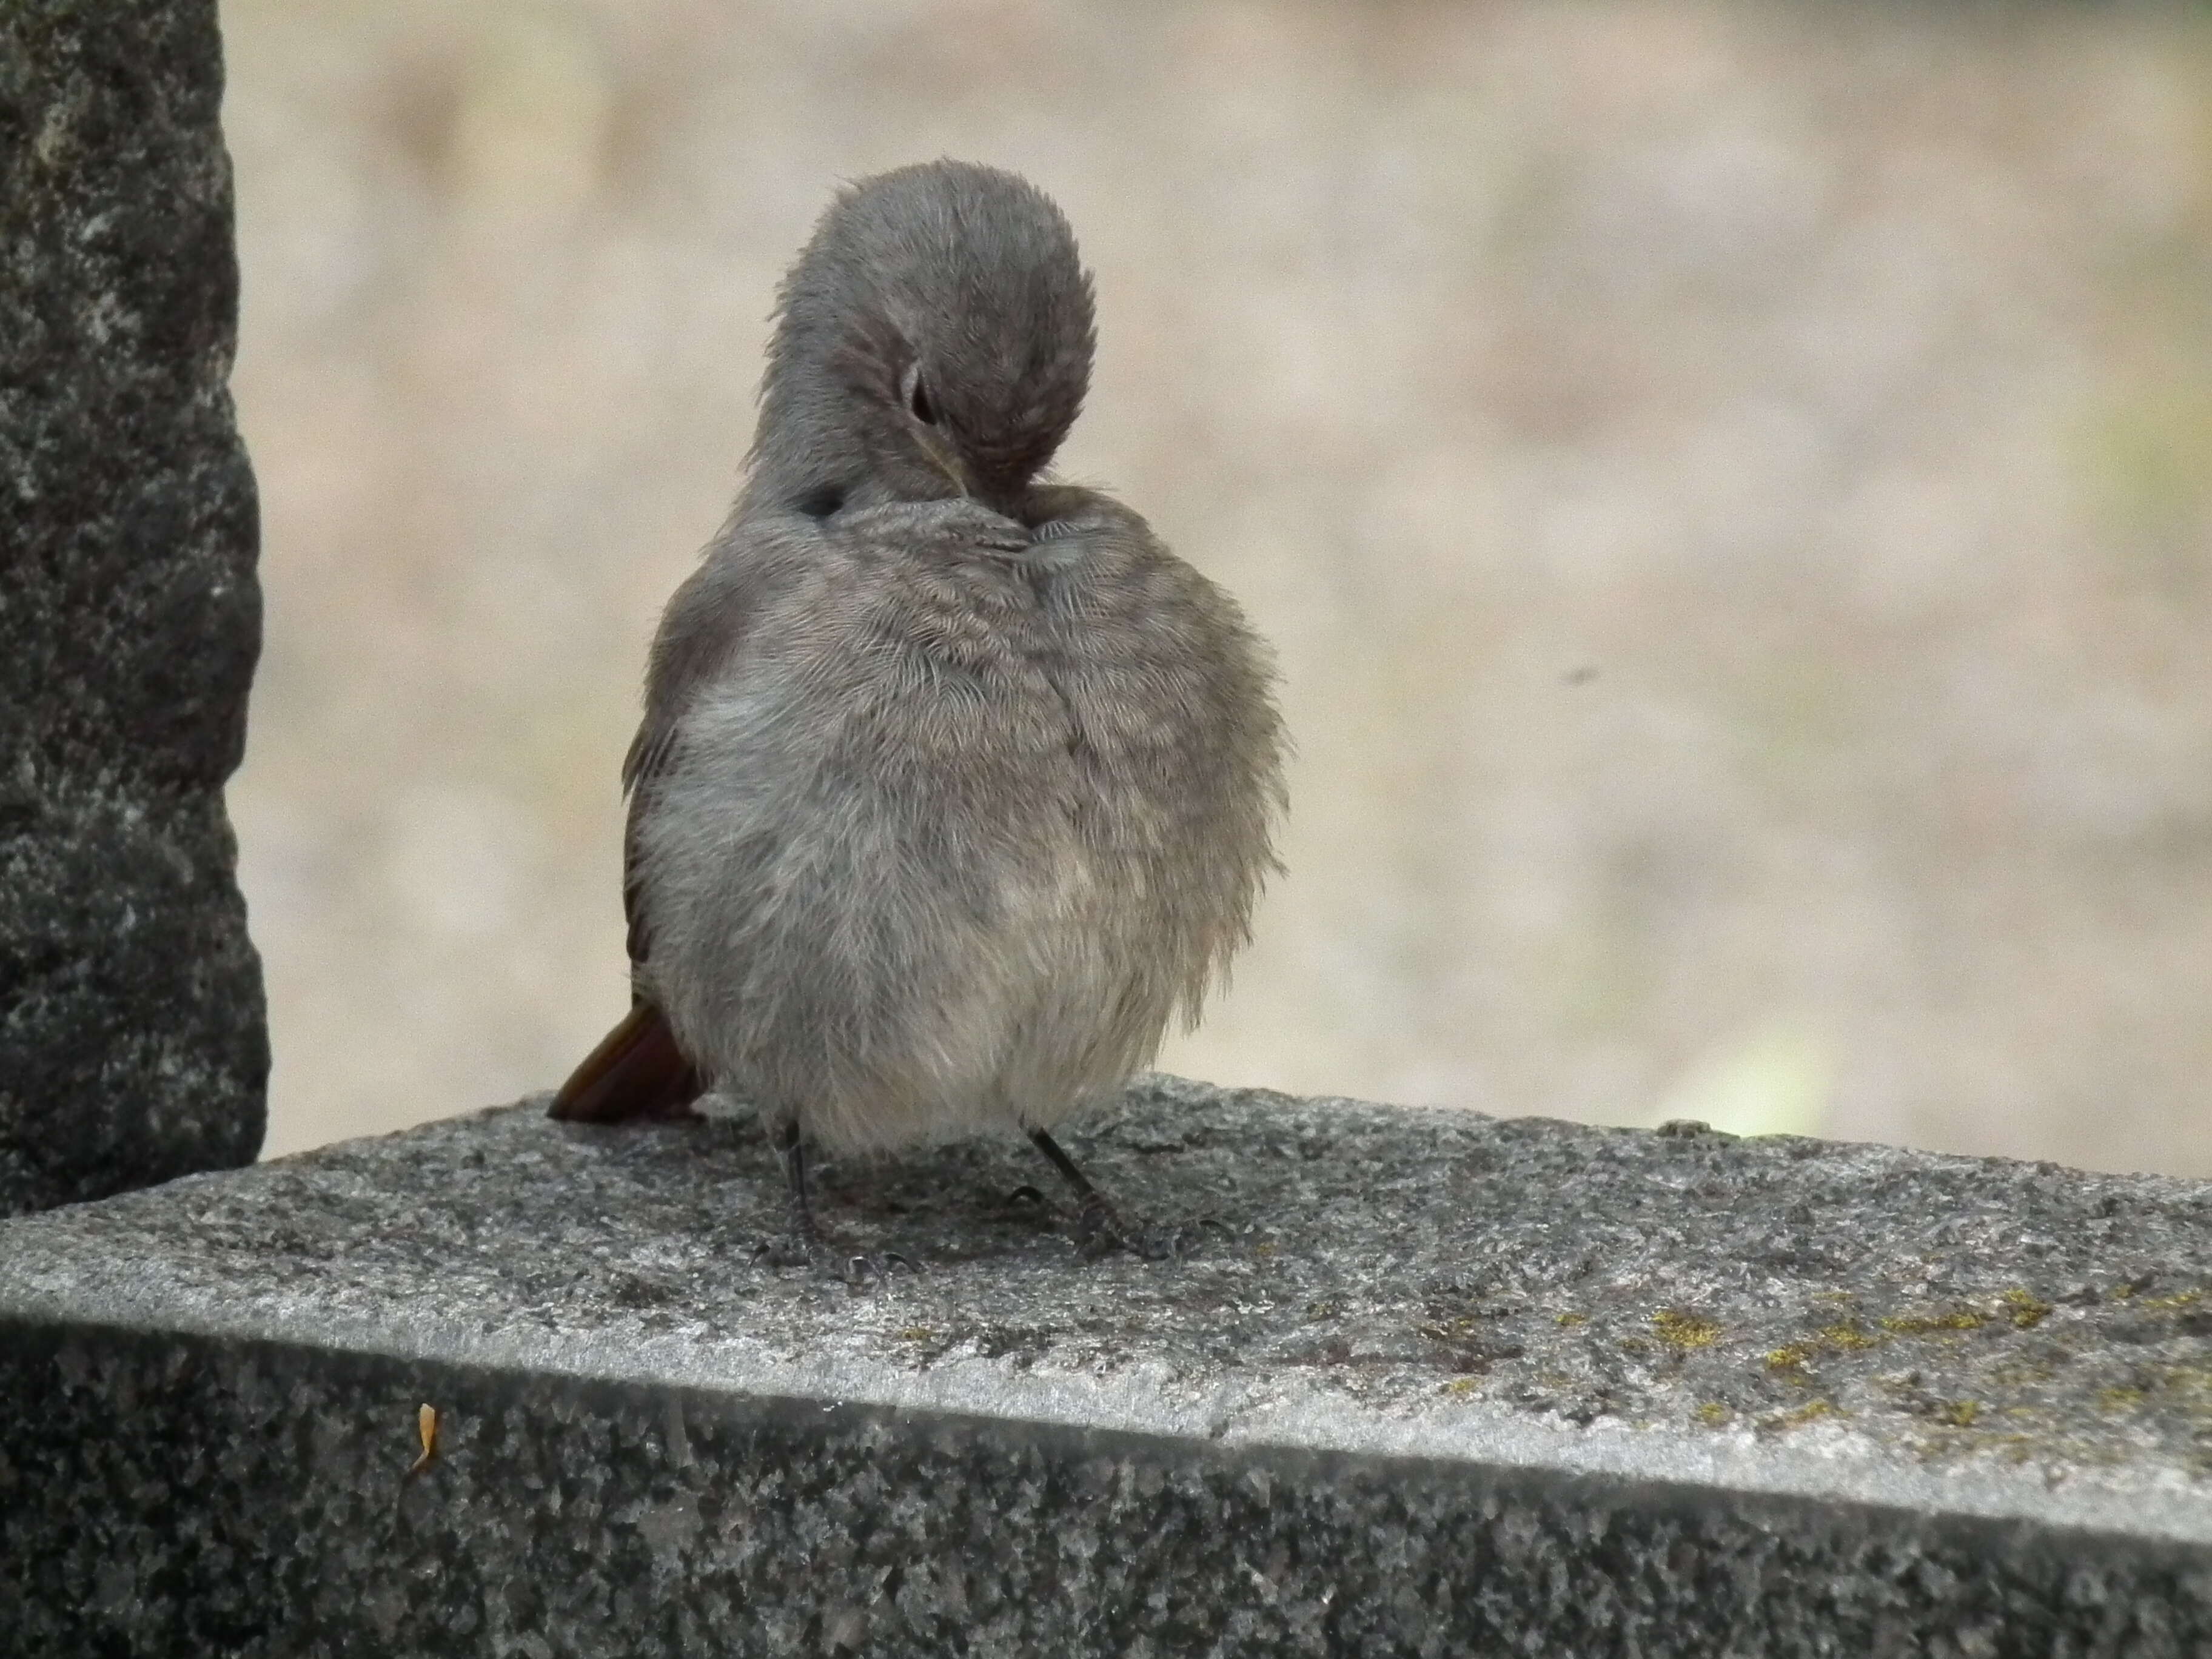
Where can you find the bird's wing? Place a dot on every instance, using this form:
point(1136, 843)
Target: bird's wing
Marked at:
point(642, 768)
point(707, 625)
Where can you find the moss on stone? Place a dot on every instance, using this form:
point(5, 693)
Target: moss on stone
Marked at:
point(1956, 1319)
point(2024, 1311)
point(1683, 1331)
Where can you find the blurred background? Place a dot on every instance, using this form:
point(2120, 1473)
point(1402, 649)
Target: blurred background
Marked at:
point(1730, 484)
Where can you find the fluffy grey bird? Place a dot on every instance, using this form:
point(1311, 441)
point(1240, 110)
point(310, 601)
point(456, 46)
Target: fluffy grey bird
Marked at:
point(954, 785)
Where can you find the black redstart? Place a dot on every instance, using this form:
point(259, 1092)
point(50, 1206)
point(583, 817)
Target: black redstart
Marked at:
point(954, 785)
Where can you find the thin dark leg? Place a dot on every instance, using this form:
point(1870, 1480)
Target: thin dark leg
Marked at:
point(1074, 1177)
point(791, 1148)
point(1098, 1227)
point(805, 1246)
point(801, 1244)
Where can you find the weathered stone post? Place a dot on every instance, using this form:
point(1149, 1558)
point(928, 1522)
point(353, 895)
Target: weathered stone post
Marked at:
point(133, 1040)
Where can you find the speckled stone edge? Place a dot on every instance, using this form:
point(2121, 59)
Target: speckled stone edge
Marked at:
point(1262, 1417)
point(1329, 1319)
point(161, 1493)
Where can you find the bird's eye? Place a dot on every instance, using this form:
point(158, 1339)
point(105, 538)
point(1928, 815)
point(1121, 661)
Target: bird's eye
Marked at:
point(917, 399)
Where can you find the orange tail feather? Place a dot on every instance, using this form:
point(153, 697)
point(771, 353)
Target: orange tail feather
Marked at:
point(636, 1071)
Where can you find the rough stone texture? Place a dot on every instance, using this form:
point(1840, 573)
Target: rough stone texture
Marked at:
point(132, 1042)
point(1434, 1384)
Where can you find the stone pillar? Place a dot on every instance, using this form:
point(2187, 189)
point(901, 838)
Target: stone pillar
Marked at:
point(133, 1035)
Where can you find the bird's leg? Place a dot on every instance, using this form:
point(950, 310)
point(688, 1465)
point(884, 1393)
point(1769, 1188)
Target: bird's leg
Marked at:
point(1099, 1229)
point(791, 1152)
point(803, 1244)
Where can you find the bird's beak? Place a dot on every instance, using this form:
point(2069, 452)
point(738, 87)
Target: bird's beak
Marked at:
point(946, 459)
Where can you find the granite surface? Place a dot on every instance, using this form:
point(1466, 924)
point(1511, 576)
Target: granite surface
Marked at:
point(133, 1039)
point(1430, 1382)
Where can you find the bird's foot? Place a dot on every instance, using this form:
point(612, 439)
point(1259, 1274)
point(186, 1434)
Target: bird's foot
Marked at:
point(798, 1247)
point(1024, 1204)
point(1100, 1230)
point(791, 1248)
point(861, 1272)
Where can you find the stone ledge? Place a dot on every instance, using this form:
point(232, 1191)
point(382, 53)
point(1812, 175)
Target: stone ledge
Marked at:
point(1442, 1384)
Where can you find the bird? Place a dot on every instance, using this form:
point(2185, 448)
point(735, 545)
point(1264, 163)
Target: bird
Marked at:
point(954, 785)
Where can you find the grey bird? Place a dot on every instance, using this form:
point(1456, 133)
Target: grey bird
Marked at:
point(954, 785)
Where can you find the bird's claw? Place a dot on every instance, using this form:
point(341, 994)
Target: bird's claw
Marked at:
point(860, 1270)
point(1100, 1232)
point(855, 1270)
point(790, 1250)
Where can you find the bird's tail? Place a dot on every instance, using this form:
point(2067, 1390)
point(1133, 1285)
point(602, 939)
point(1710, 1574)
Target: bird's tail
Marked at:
point(636, 1071)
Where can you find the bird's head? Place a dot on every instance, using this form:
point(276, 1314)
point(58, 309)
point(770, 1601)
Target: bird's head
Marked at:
point(935, 338)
